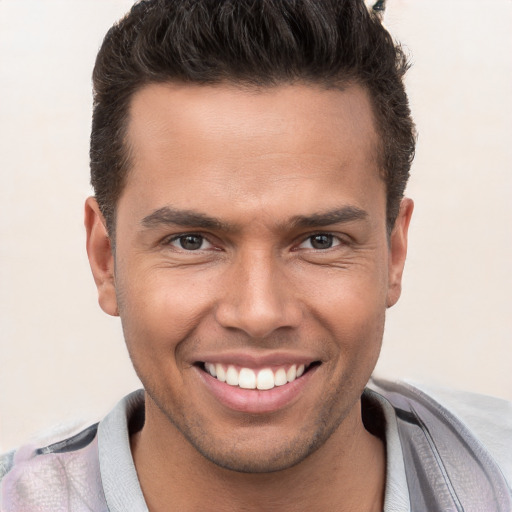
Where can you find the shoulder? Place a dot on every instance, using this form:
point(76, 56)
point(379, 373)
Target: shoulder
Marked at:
point(75, 469)
point(6, 463)
point(484, 422)
point(63, 475)
point(488, 418)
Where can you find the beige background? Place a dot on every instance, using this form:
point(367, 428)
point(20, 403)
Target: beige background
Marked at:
point(63, 359)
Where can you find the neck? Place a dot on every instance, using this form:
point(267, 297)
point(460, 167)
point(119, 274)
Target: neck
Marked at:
point(346, 474)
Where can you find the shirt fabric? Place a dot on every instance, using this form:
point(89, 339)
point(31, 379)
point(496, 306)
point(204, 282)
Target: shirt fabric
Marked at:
point(440, 444)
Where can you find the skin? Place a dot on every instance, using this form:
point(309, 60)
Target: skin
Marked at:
point(265, 166)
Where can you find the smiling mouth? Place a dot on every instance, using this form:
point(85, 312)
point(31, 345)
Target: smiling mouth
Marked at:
point(262, 379)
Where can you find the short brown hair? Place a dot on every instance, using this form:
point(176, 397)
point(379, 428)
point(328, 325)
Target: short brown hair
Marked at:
point(250, 42)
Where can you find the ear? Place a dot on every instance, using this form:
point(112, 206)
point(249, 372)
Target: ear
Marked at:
point(101, 257)
point(398, 251)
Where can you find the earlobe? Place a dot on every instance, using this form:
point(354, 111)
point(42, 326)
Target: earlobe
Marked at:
point(398, 251)
point(101, 257)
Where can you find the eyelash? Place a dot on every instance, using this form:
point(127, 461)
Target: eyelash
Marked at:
point(175, 238)
point(335, 241)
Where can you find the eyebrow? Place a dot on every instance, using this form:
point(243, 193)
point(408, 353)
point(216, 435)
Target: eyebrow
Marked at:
point(337, 216)
point(168, 215)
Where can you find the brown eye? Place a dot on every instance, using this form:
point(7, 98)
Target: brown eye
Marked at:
point(321, 241)
point(190, 242)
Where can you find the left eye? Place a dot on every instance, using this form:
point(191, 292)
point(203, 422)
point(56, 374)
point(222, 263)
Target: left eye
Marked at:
point(320, 241)
point(190, 242)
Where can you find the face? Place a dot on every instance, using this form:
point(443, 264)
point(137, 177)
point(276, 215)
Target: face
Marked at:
point(252, 268)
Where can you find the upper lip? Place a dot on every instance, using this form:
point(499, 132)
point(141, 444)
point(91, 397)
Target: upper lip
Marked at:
point(248, 360)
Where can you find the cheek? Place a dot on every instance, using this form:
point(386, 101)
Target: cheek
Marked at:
point(355, 326)
point(159, 310)
point(351, 306)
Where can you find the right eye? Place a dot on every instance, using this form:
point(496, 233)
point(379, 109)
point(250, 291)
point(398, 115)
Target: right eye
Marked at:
point(190, 242)
point(320, 241)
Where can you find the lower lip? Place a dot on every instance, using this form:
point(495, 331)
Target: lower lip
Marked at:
point(255, 401)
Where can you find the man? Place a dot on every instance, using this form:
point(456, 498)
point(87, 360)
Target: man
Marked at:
point(249, 159)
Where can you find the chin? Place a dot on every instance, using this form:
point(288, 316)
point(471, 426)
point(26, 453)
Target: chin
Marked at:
point(259, 460)
point(259, 447)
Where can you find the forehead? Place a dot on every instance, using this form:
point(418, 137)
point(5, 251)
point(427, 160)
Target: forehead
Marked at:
point(247, 145)
point(192, 111)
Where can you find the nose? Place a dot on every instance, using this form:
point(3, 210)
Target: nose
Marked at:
point(258, 297)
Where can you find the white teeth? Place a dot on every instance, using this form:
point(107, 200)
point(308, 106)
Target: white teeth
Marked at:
point(247, 379)
point(232, 376)
point(280, 377)
point(210, 368)
point(221, 374)
point(265, 379)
